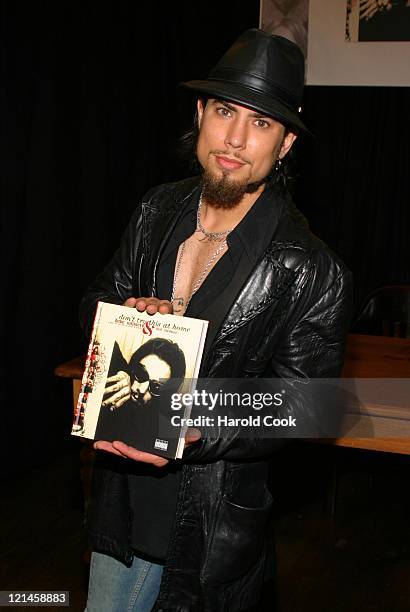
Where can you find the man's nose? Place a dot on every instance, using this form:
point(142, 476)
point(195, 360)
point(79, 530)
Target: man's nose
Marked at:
point(142, 387)
point(236, 134)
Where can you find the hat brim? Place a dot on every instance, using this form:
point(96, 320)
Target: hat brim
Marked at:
point(250, 98)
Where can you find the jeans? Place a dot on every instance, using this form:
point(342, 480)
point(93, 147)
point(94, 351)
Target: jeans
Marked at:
point(114, 587)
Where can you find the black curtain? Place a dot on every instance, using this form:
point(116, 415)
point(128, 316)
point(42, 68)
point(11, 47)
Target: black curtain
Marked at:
point(354, 179)
point(91, 114)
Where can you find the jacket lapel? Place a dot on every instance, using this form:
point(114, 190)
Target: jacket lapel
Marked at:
point(271, 278)
point(267, 283)
point(159, 221)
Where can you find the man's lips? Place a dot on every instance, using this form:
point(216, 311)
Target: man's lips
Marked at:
point(228, 163)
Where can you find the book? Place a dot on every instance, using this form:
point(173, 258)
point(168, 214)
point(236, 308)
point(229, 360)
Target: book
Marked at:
point(135, 365)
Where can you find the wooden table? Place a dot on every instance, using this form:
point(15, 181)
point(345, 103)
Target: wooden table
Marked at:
point(377, 357)
point(366, 357)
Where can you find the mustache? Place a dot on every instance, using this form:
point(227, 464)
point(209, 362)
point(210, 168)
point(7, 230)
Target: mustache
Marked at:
point(229, 154)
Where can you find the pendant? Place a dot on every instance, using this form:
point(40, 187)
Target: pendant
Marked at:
point(210, 237)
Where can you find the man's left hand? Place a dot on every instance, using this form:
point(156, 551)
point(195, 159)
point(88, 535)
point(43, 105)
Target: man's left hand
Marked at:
point(129, 452)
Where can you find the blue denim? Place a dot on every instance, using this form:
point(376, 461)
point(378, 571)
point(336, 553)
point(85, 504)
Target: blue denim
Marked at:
point(114, 587)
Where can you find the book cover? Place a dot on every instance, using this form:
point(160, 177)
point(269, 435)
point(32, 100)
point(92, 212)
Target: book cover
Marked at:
point(135, 363)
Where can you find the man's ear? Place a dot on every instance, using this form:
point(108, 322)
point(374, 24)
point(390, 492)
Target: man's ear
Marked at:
point(287, 143)
point(200, 110)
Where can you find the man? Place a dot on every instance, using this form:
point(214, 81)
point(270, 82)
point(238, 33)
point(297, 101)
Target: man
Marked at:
point(384, 20)
point(137, 392)
point(288, 18)
point(229, 247)
point(147, 375)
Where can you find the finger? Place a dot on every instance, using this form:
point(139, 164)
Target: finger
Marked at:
point(155, 305)
point(120, 395)
point(130, 302)
point(153, 302)
point(111, 389)
point(368, 14)
point(165, 307)
point(108, 447)
point(152, 305)
point(366, 7)
point(114, 399)
point(151, 309)
point(120, 384)
point(114, 378)
point(137, 455)
point(192, 435)
point(364, 12)
point(141, 304)
point(122, 401)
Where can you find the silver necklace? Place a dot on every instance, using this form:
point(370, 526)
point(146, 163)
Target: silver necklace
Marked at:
point(180, 301)
point(210, 236)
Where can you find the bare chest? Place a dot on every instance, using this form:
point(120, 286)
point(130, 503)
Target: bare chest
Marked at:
point(195, 259)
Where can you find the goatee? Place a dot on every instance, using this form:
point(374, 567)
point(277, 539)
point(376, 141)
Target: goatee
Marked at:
point(222, 192)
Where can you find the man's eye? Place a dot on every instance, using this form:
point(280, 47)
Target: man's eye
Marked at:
point(155, 387)
point(224, 112)
point(262, 123)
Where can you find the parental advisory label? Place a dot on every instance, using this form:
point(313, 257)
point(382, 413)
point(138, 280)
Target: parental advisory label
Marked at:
point(34, 598)
point(162, 444)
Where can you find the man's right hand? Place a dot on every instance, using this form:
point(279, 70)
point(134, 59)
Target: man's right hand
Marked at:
point(129, 452)
point(117, 390)
point(152, 305)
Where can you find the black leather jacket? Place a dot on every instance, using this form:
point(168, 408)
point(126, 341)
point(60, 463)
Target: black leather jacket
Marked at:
point(289, 320)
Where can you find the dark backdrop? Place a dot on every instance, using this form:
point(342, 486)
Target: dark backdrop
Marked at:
point(90, 116)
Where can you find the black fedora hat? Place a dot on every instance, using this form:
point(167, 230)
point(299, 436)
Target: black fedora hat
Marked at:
point(261, 71)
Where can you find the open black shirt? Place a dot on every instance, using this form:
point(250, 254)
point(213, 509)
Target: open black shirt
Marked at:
point(153, 491)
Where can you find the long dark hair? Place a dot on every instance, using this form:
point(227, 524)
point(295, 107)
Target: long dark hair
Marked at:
point(164, 349)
